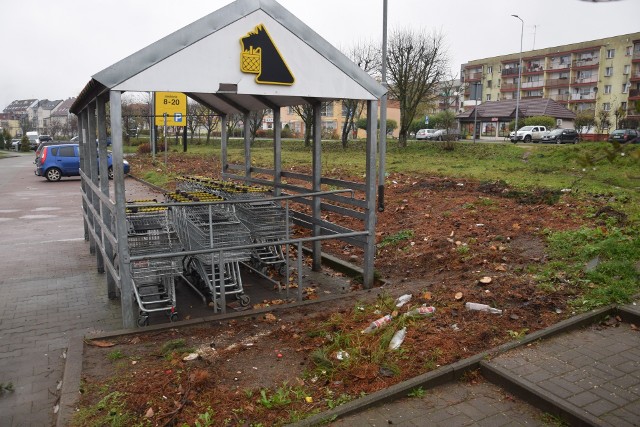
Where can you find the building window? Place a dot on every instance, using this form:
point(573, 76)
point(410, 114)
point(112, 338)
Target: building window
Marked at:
point(627, 69)
point(628, 50)
point(607, 88)
point(625, 87)
point(489, 83)
point(488, 97)
point(606, 106)
point(623, 105)
point(326, 110)
point(291, 111)
point(489, 69)
point(611, 53)
point(608, 71)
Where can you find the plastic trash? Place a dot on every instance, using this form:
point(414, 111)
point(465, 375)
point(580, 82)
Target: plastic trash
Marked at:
point(482, 307)
point(423, 311)
point(402, 300)
point(378, 324)
point(397, 339)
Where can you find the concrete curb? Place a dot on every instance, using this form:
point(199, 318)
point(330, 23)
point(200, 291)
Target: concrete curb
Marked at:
point(453, 371)
point(70, 391)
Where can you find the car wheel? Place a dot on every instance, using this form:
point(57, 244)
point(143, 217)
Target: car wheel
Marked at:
point(558, 140)
point(53, 174)
point(527, 139)
point(440, 138)
point(575, 140)
point(110, 174)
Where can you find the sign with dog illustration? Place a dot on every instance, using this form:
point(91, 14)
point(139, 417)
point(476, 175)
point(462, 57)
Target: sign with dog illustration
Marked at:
point(261, 56)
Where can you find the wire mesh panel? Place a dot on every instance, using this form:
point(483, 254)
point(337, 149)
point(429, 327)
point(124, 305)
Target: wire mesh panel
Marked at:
point(150, 232)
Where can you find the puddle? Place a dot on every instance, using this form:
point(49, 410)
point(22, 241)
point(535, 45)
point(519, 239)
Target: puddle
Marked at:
point(38, 216)
point(46, 209)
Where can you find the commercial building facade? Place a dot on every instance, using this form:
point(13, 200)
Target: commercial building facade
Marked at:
point(594, 75)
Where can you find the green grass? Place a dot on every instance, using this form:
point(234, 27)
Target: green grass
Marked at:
point(615, 255)
point(109, 411)
point(525, 167)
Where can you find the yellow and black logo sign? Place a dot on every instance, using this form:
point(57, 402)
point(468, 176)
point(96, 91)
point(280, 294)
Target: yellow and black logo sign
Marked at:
point(261, 56)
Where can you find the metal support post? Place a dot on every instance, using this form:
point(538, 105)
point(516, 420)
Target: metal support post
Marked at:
point(370, 214)
point(315, 179)
point(126, 282)
point(277, 152)
point(112, 289)
point(247, 145)
point(224, 139)
point(92, 156)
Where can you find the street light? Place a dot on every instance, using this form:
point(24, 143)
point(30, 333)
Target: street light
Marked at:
point(519, 75)
point(383, 112)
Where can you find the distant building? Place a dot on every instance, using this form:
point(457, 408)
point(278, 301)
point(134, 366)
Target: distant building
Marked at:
point(492, 118)
point(61, 121)
point(594, 75)
point(43, 112)
point(23, 111)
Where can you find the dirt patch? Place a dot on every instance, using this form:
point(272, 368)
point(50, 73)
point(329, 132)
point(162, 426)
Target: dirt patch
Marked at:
point(436, 239)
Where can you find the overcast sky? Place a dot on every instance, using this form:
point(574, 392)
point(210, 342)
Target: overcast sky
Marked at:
point(50, 49)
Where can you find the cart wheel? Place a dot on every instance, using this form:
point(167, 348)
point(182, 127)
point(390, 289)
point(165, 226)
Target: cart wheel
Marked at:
point(283, 270)
point(244, 300)
point(143, 321)
point(173, 317)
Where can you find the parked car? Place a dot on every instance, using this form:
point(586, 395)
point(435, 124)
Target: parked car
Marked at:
point(442, 134)
point(560, 136)
point(47, 143)
point(56, 161)
point(624, 135)
point(424, 133)
point(529, 134)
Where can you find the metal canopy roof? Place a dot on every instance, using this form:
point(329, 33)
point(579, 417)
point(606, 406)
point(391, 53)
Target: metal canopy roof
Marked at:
point(203, 60)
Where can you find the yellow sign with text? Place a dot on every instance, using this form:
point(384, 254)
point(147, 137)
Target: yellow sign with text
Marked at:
point(174, 104)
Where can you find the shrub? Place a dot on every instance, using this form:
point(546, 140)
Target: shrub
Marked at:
point(24, 144)
point(145, 148)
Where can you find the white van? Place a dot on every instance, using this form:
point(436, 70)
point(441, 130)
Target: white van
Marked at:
point(33, 139)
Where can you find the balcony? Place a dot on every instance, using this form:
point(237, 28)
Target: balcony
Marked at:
point(560, 97)
point(510, 72)
point(561, 82)
point(532, 96)
point(473, 77)
point(508, 87)
point(529, 85)
point(558, 66)
point(634, 95)
point(577, 97)
point(587, 62)
point(584, 80)
point(533, 69)
point(636, 54)
point(635, 76)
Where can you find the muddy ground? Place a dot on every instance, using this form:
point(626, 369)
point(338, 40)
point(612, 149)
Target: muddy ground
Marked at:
point(443, 241)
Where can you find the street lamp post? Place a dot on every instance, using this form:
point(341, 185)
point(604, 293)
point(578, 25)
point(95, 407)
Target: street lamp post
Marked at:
point(383, 112)
point(475, 111)
point(519, 75)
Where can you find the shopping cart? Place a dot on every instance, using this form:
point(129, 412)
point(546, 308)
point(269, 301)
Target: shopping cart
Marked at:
point(215, 227)
point(265, 218)
point(150, 233)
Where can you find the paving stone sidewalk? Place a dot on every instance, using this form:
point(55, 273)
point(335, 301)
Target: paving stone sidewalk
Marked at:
point(592, 374)
point(453, 404)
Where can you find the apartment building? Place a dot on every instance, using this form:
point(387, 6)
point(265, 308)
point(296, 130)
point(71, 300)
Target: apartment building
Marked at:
point(333, 116)
point(592, 75)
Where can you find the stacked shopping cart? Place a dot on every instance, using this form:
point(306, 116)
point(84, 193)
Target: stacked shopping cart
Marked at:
point(213, 227)
point(265, 219)
point(150, 232)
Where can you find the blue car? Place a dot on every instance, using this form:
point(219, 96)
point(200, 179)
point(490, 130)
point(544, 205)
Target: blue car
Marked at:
point(56, 161)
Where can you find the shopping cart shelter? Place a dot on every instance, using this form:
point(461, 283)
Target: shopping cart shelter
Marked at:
point(248, 56)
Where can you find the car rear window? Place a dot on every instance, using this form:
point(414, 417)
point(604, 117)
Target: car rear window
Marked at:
point(66, 152)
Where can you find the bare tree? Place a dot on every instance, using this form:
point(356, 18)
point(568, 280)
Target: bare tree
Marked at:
point(368, 57)
point(193, 120)
point(416, 63)
point(233, 121)
point(209, 120)
point(255, 122)
point(305, 112)
point(603, 120)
